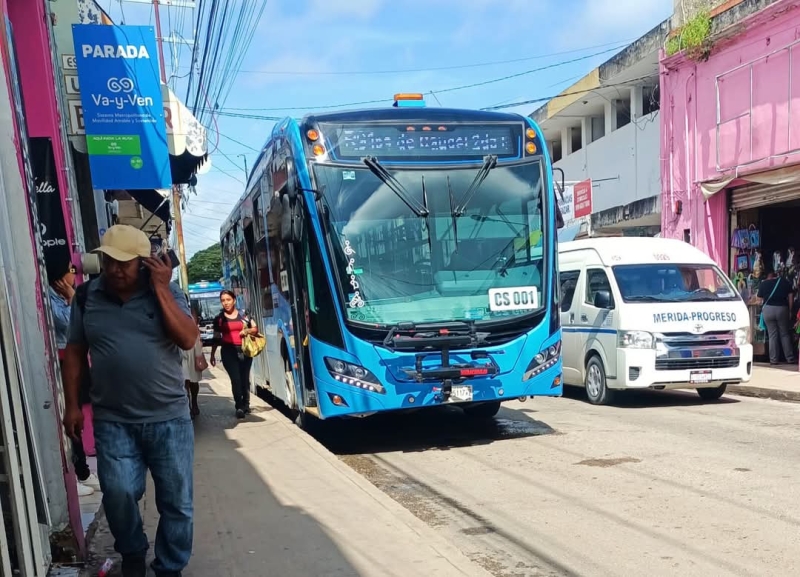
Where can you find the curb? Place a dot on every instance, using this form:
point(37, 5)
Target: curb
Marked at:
point(447, 550)
point(762, 393)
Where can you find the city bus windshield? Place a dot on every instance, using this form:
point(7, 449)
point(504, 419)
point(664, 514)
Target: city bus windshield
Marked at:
point(410, 245)
point(208, 305)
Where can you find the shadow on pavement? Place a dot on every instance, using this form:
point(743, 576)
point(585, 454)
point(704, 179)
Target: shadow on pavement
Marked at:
point(650, 399)
point(241, 529)
point(435, 428)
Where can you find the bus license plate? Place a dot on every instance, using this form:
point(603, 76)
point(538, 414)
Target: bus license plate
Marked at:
point(697, 377)
point(460, 393)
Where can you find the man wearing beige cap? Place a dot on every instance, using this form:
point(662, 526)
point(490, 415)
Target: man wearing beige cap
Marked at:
point(133, 321)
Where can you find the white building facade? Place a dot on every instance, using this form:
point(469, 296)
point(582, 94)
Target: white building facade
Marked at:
point(605, 129)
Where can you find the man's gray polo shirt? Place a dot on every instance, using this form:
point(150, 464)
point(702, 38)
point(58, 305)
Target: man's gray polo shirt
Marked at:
point(137, 375)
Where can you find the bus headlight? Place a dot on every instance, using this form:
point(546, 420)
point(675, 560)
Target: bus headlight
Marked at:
point(635, 340)
point(354, 375)
point(742, 336)
point(545, 359)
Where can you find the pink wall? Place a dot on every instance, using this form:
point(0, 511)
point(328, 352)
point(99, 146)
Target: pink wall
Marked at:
point(42, 119)
point(755, 77)
point(31, 36)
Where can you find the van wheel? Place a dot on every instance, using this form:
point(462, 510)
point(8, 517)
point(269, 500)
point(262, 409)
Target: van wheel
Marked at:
point(712, 394)
point(596, 387)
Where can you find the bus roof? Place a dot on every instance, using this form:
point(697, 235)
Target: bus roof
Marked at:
point(409, 114)
point(639, 250)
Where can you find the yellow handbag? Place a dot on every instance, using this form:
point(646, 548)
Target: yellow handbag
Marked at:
point(252, 345)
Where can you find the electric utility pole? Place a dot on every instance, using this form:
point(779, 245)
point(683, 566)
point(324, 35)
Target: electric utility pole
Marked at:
point(176, 190)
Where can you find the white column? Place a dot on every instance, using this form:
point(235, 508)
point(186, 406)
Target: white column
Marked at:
point(586, 131)
point(566, 141)
point(611, 116)
point(637, 103)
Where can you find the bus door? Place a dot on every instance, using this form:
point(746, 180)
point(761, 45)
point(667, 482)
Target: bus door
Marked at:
point(255, 289)
point(292, 268)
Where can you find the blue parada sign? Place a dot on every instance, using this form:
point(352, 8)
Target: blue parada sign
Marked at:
point(126, 134)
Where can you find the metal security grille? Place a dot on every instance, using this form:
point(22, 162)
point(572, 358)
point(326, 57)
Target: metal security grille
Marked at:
point(757, 195)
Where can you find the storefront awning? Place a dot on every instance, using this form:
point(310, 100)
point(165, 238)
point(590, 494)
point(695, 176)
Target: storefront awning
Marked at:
point(785, 175)
point(153, 201)
point(186, 137)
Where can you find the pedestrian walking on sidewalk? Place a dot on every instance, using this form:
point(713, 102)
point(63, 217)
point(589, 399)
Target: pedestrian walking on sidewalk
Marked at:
point(194, 363)
point(134, 323)
point(777, 294)
point(61, 276)
point(230, 327)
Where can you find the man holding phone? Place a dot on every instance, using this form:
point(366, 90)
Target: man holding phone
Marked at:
point(133, 322)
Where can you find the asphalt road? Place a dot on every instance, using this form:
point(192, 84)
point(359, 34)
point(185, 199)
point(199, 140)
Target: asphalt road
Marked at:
point(660, 484)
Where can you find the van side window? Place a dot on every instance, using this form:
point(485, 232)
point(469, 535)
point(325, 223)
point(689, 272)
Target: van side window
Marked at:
point(569, 282)
point(597, 280)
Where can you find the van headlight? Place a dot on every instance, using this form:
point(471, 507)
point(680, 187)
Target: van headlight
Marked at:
point(742, 336)
point(635, 340)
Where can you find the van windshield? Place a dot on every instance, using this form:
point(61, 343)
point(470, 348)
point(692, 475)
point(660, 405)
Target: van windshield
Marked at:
point(670, 282)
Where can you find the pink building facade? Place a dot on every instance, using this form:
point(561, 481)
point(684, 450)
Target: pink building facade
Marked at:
point(731, 128)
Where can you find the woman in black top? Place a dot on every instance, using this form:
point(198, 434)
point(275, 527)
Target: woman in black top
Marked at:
point(778, 300)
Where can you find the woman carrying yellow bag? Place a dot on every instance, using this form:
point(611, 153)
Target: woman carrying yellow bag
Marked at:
point(231, 329)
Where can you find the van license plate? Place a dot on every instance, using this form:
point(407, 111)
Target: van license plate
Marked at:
point(461, 393)
point(697, 377)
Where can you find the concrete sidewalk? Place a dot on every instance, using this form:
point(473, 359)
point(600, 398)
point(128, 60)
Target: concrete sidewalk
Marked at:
point(781, 383)
point(270, 500)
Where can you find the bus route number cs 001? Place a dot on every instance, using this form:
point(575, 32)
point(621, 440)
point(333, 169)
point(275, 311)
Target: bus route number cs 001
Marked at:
point(513, 298)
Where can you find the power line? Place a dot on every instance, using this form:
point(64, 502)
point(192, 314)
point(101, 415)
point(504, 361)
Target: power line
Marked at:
point(228, 174)
point(239, 142)
point(619, 44)
point(488, 108)
point(440, 91)
point(546, 98)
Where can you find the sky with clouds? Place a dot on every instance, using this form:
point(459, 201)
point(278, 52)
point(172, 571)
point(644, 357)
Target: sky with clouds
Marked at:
point(308, 55)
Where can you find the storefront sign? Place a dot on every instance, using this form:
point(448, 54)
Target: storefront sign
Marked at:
point(55, 244)
point(123, 111)
point(583, 198)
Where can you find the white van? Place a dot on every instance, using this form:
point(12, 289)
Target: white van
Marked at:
point(639, 313)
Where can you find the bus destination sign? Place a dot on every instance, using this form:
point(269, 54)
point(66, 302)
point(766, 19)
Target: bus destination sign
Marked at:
point(435, 140)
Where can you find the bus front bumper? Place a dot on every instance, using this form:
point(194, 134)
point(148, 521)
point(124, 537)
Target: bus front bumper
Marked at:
point(336, 399)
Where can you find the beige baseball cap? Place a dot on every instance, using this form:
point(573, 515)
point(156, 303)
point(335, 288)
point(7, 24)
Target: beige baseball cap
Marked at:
point(124, 243)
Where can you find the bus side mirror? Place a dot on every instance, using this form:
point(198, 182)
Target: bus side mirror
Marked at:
point(291, 181)
point(291, 221)
point(559, 185)
point(559, 217)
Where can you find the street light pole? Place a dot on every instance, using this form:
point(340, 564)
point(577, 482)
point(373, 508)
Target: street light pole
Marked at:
point(246, 172)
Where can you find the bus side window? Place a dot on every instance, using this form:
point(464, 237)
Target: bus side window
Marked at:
point(569, 282)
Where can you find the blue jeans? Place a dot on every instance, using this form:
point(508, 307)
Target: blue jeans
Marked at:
point(124, 453)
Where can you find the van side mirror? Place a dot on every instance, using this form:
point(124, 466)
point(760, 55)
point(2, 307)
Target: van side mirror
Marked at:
point(602, 300)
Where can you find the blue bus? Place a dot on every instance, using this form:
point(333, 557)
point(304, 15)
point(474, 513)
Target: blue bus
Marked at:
point(204, 296)
point(400, 258)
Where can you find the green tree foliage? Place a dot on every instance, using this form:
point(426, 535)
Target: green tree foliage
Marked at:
point(205, 264)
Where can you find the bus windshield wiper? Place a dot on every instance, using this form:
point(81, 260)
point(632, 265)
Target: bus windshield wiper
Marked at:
point(453, 211)
point(394, 185)
point(488, 164)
